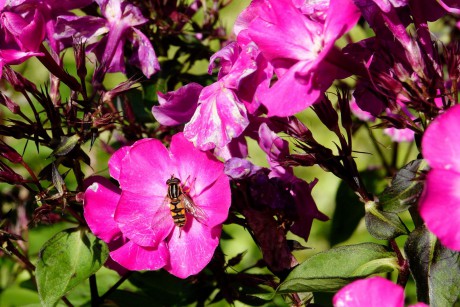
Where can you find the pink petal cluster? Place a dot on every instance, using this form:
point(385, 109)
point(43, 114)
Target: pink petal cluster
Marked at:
point(135, 219)
point(25, 24)
point(301, 49)
point(20, 35)
point(371, 292)
point(224, 106)
point(440, 202)
point(120, 23)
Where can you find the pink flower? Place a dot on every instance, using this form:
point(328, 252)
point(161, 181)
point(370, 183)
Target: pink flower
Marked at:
point(20, 36)
point(223, 106)
point(120, 22)
point(135, 219)
point(440, 202)
point(399, 135)
point(371, 292)
point(302, 51)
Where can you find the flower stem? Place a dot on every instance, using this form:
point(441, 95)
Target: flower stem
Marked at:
point(115, 286)
point(32, 174)
point(48, 61)
point(93, 290)
point(403, 264)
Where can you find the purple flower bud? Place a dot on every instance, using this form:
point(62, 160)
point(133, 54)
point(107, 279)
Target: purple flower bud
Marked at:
point(8, 175)
point(18, 82)
point(9, 153)
point(237, 168)
point(10, 104)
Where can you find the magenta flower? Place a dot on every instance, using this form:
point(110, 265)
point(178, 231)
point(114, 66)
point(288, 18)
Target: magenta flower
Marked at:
point(223, 107)
point(120, 22)
point(20, 36)
point(48, 10)
point(302, 51)
point(440, 202)
point(371, 292)
point(135, 219)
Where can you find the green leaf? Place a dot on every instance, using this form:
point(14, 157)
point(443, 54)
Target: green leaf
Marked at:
point(58, 182)
point(66, 145)
point(405, 189)
point(67, 259)
point(332, 269)
point(383, 225)
point(349, 210)
point(435, 268)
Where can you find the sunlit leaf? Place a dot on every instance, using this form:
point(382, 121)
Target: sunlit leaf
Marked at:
point(66, 145)
point(435, 268)
point(405, 189)
point(334, 268)
point(66, 260)
point(383, 225)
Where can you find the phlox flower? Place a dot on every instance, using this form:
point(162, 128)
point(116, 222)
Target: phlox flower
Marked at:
point(301, 49)
point(224, 106)
point(135, 219)
point(49, 10)
point(120, 23)
point(222, 111)
point(371, 292)
point(20, 35)
point(440, 201)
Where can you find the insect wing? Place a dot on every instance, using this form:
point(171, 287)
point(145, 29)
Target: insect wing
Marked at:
point(194, 210)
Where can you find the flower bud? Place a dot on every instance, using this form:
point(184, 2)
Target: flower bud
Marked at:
point(9, 153)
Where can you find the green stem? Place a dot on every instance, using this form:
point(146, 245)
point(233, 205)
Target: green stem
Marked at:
point(377, 148)
point(403, 264)
point(115, 286)
point(48, 61)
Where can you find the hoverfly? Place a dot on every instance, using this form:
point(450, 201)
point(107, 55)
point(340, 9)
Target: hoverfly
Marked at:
point(180, 204)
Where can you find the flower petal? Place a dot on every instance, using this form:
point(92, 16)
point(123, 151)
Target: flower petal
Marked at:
point(144, 55)
point(193, 165)
point(135, 257)
point(101, 199)
point(441, 196)
point(370, 292)
point(146, 167)
point(146, 220)
point(282, 31)
point(220, 116)
point(341, 17)
point(177, 107)
point(290, 95)
point(215, 201)
point(441, 141)
point(115, 161)
point(191, 248)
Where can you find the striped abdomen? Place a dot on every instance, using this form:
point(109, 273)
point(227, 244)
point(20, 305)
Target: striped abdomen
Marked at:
point(176, 203)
